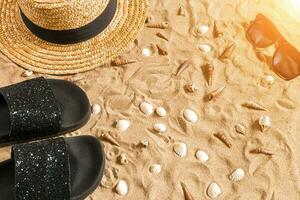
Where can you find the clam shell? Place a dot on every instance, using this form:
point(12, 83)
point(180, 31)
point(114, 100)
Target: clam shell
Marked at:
point(122, 188)
point(202, 29)
point(237, 175)
point(214, 190)
point(161, 111)
point(122, 125)
point(27, 73)
point(146, 52)
point(155, 169)
point(205, 48)
point(180, 149)
point(96, 109)
point(202, 156)
point(190, 115)
point(160, 127)
point(146, 108)
point(264, 122)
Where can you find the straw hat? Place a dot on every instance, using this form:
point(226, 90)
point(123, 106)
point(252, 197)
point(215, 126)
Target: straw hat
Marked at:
point(68, 36)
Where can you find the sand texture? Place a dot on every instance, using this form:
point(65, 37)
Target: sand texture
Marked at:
point(120, 90)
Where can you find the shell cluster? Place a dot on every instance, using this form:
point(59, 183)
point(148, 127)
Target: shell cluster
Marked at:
point(180, 149)
point(122, 125)
point(190, 115)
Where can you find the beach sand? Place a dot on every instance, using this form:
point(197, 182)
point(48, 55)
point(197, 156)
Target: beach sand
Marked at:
point(120, 90)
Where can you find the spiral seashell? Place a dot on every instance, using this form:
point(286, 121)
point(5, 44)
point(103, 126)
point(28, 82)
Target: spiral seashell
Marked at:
point(241, 129)
point(146, 108)
point(190, 115)
point(161, 111)
point(163, 25)
point(202, 156)
point(227, 52)
point(237, 175)
point(186, 192)
point(122, 125)
point(216, 93)
point(122, 188)
point(221, 136)
point(123, 159)
point(214, 190)
point(160, 127)
point(181, 11)
point(122, 61)
point(96, 109)
point(205, 48)
point(180, 149)
point(183, 66)
point(261, 150)
point(253, 105)
point(209, 70)
point(161, 51)
point(155, 169)
point(202, 29)
point(216, 32)
point(107, 136)
point(162, 35)
point(265, 123)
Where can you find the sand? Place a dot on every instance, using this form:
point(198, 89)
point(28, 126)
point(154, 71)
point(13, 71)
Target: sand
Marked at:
point(120, 90)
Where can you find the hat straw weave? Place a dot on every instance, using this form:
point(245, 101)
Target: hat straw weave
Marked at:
point(31, 52)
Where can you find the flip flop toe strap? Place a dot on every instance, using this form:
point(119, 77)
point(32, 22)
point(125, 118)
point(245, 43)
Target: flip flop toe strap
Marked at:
point(42, 170)
point(33, 108)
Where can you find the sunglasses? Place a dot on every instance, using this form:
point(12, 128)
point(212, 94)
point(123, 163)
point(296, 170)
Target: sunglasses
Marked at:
point(262, 33)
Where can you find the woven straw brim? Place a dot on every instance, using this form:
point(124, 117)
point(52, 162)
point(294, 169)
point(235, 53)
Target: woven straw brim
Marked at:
point(30, 52)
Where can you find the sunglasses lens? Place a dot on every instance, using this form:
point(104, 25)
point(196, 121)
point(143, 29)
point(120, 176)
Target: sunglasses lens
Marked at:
point(262, 33)
point(286, 62)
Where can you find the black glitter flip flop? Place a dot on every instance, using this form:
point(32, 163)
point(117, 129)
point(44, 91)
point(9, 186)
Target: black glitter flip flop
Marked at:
point(54, 169)
point(41, 108)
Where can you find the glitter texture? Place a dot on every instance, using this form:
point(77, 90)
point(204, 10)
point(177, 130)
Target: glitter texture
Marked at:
point(33, 109)
point(42, 170)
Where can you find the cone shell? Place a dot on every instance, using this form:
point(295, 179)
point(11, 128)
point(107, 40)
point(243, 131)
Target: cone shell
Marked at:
point(122, 61)
point(186, 192)
point(190, 115)
point(161, 51)
point(214, 190)
point(214, 94)
point(181, 11)
point(180, 149)
point(228, 52)
point(253, 105)
point(216, 31)
point(241, 129)
point(155, 169)
point(261, 151)
point(162, 35)
point(221, 136)
point(107, 136)
point(163, 25)
point(122, 188)
point(237, 175)
point(146, 108)
point(209, 70)
point(122, 125)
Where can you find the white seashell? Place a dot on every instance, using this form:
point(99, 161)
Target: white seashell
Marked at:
point(146, 52)
point(205, 48)
point(237, 175)
point(180, 149)
point(160, 127)
point(202, 29)
point(265, 123)
point(146, 108)
point(27, 73)
point(268, 80)
point(190, 115)
point(122, 125)
point(145, 143)
point(214, 190)
point(241, 129)
point(155, 169)
point(122, 188)
point(202, 156)
point(161, 111)
point(96, 109)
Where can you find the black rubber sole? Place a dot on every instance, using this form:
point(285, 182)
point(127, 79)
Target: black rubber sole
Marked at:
point(87, 162)
point(75, 108)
